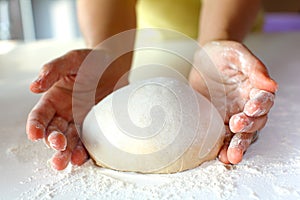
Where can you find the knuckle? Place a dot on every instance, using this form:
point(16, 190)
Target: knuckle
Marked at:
point(48, 67)
point(73, 53)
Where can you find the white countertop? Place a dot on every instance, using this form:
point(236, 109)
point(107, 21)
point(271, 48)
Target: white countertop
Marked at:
point(270, 169)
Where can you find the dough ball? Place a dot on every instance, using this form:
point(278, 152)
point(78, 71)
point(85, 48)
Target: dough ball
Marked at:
point(159, 125)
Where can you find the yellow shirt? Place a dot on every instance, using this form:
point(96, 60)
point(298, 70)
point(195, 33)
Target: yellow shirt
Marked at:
point(178, 15)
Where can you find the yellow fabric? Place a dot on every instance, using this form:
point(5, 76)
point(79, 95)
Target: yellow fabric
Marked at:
point(178, 15)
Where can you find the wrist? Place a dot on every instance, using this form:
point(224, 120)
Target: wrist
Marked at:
point(224, 35)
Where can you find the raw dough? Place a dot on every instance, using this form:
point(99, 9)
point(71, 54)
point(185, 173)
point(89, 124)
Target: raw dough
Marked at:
point(159, 125)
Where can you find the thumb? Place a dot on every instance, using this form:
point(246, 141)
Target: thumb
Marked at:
point(58, 68)
point(260, 78)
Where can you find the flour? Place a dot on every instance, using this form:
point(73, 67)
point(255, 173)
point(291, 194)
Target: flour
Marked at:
point(239, 141)
point(269, 170)
point(212, 180)
point(159, 125)
point(93, 182)
point(29, 151)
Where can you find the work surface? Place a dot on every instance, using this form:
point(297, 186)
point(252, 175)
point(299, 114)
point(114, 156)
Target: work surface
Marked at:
point(270, 169)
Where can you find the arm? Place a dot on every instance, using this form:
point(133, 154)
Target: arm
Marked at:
point(52, 117)
point(100, 19)
point(249, 90)
point(227, 19)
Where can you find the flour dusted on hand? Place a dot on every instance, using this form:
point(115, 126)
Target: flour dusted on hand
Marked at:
point(159, 125)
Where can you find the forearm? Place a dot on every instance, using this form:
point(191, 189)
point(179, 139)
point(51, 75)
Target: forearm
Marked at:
point(101, 19)
point(227, 19)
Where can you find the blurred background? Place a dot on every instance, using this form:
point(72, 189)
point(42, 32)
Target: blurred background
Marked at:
point(28, 20)
point(38, 19)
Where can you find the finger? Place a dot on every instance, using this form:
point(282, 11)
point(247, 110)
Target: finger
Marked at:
point(61, 159)
point(79, 155)
point(38, 119)
point(238, 145)
point(57, 141)
point(51, 72)
point(242, 123)
point(260, 78)
point(223, 152)
point(54, 134)
point(258, 74)
point(259, 104)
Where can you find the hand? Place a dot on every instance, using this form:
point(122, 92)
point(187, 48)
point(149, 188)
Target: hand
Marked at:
point(52, 117)
point(249, 93)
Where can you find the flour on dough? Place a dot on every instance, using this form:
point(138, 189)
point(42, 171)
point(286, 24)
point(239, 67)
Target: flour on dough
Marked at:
point(159, 125)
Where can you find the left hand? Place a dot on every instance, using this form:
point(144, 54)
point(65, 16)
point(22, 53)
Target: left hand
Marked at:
point(249, 94)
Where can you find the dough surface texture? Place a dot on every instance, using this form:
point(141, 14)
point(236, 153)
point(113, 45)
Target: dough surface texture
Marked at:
point(159, 125)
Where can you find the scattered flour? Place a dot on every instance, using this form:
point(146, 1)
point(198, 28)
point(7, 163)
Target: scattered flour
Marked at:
point(212, 180)
point(269, 170)
point(92, 182)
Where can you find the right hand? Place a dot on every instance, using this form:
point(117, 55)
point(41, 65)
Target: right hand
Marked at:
point(52, 117)
point(246, 99)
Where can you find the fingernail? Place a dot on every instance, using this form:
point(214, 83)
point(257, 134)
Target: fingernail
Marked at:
point(235, 155)
point(251, 109)
point(36, 132)
point(236, 141)
point(244, 120)
point(57, 141)
point(257, 112)
point(264, 96)
point(240, 142)
point(37, 79)
point(247, 125)
point(38, 84)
